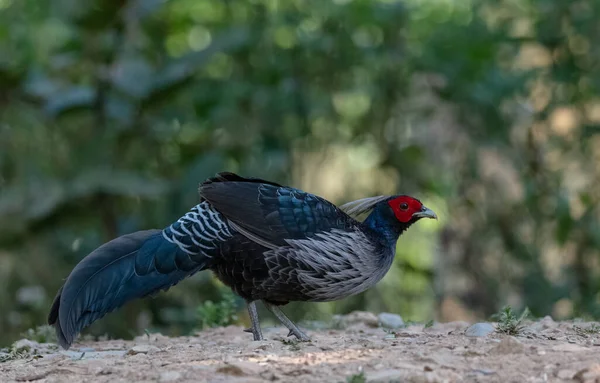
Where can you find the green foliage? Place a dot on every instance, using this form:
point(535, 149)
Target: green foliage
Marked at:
point(509, 323)
point(15, 353)
point(357, 378)
point(19, 351)
point(111, 113)
point(41, 334)
point(221, 313)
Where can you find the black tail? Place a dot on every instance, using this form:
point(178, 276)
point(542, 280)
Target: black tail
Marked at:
point(128, 267)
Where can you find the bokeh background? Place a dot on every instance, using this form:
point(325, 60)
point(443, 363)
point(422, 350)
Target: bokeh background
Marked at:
point(113, 111)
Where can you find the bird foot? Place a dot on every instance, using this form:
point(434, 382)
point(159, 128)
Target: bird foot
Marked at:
point(255, 328)
point(258, 337)
point(299, 334)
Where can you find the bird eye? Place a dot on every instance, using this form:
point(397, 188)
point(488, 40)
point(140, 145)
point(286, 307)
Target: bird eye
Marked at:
point(404, 206)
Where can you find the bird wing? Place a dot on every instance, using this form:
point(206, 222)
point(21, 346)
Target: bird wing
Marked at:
point(271, 214)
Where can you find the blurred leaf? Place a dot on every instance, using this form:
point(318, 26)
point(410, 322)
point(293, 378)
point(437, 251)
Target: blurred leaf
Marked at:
point(565, 222)
point(42, 86)
point(134, 76)
point(590, 130)
point(93, 14)
point(176, 73)
point(70, 100)
point(204, 166)
point(141, 8)
point(116, 182)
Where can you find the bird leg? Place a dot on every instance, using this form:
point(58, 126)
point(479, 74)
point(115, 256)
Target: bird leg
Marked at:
point(294, 330)
point(255, 328)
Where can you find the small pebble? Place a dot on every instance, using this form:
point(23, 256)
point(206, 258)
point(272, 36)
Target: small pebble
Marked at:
point(588, 374)
point(142, 349)
point(355, 318)
point(389, 320)
point(169, 376)
point(388, 375)
point(509, 345)
point(480, 329)
point(484, 372)
point(566, 374)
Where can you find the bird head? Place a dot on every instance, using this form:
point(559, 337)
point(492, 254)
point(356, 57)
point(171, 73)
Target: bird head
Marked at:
point(408, 210)
point(389, 216)
point(396, 214)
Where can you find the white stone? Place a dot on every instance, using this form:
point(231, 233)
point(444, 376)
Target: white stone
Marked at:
point(389, 320)
point(480, 329)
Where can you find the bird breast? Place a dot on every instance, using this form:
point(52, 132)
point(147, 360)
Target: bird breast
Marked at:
point(333, 265)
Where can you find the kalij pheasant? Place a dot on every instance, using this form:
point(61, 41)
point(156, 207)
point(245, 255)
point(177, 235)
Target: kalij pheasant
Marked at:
point(266, 241)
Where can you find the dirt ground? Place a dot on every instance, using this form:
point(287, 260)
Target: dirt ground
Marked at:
point(546, 351)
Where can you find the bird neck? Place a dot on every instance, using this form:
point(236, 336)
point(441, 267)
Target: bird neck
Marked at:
point(385, 224)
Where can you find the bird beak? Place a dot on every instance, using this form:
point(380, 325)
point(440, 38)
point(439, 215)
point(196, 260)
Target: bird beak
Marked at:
point(425, 213)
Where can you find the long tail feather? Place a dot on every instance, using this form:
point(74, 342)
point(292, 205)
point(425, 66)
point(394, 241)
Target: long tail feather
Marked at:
point(128, 267)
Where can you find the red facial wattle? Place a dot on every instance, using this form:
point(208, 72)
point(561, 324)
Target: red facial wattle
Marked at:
point(404, 207)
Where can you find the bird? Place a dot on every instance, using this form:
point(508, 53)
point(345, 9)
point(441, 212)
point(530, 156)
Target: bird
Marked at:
point(267, 242)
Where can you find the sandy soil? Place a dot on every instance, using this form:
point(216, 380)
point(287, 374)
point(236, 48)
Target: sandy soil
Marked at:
point(546, 351)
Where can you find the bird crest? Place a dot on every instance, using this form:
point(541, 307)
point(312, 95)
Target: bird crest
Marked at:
point(362, 206)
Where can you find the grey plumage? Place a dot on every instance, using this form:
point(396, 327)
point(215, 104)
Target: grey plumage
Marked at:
point(338, 265)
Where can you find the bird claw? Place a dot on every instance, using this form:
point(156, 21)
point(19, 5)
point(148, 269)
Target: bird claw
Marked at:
point(257, 336)
point(301, 336)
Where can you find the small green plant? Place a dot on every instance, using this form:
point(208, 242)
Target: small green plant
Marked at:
point(357, 378)
point(41, 334)
point(216, 314)
point(15, 352)
point(293, 343)
point(428, 324)
point(594, 329)
point(508, 322)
